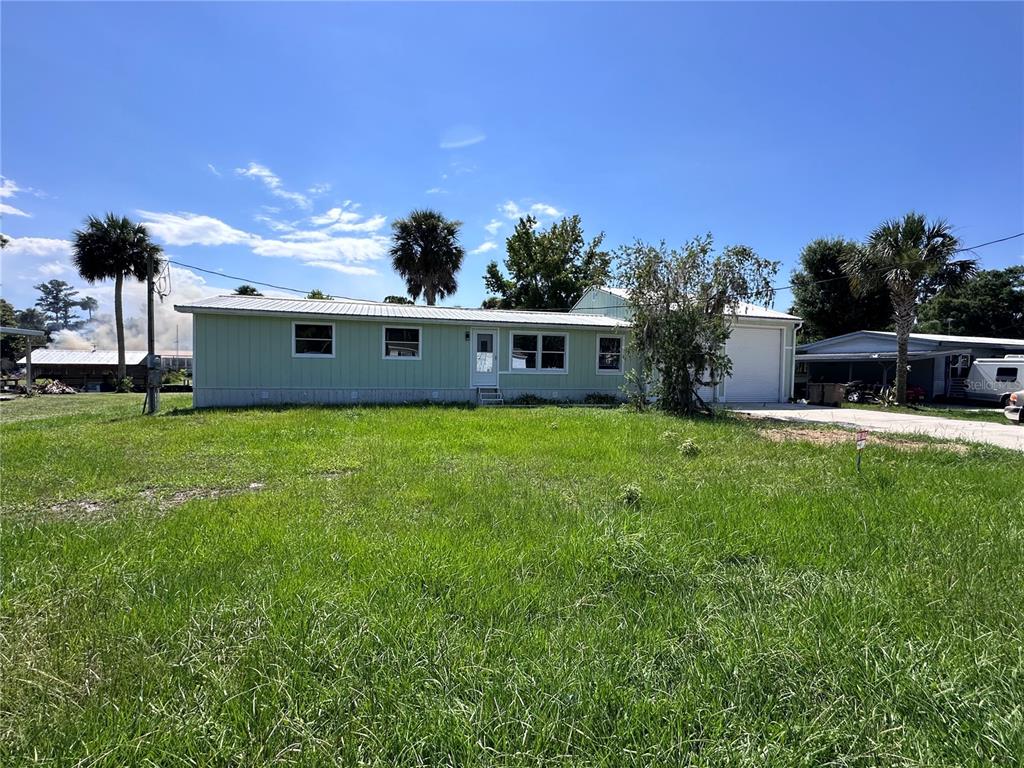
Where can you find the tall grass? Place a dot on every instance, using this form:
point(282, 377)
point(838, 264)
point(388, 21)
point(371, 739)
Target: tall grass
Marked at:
point(434, 586)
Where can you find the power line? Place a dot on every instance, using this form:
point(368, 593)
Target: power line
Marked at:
point(775, 289)
point(236, 277)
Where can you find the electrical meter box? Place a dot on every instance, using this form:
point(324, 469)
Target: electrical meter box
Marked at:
point(154, 376)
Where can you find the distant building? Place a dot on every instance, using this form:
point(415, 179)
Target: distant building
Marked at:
point(96, 370)
point(939, 364)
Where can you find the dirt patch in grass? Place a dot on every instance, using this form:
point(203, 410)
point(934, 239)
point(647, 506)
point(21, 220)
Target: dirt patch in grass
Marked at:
point(837, 437)
point(77, 510)
point(99, 510)
point(176, 498)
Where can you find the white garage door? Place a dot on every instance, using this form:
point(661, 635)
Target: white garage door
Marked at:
point(756, 355)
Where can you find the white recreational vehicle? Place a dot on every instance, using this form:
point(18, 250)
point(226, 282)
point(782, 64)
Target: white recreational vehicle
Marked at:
point(994, 378)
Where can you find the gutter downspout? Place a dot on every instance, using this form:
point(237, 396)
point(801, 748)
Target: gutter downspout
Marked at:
point(792, 373)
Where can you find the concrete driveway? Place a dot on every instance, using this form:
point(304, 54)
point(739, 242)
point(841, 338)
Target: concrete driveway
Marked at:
point(1004, 435)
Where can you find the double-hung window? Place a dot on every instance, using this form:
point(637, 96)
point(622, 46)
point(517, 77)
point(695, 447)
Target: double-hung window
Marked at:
point(402, 343)
point(539, 352)
point(609, 354)
point(312, 340)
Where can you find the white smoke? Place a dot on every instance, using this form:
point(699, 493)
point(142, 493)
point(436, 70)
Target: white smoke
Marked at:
point(173, 329)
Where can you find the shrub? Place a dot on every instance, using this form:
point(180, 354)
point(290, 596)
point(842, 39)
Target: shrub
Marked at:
point(600, 398)
point(688, 448)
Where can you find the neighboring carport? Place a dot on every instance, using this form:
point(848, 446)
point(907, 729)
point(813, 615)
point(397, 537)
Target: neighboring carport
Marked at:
point(875, 367)
point(29, 334)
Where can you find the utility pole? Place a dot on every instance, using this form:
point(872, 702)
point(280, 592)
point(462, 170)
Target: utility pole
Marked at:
point(152, 366)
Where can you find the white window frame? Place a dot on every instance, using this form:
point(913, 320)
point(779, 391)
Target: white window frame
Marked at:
point(540, 351)
point(404, 358)
point(622, 355)
point(316, 355)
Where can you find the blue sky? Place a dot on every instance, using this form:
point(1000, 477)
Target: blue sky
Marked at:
point(278, 142)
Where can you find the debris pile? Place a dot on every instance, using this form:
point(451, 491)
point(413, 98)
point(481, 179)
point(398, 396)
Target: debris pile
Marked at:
point(55, 387)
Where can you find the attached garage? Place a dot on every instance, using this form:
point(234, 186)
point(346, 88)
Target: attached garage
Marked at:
point(757, 355)
point(761, 347)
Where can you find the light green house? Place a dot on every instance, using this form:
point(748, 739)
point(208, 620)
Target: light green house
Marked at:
point(251, 350)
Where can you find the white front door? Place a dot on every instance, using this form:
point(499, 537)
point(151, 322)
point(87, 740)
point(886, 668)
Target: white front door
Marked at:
point(484, 362)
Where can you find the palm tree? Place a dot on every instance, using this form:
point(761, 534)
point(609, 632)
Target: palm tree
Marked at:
point(114, 248)
point(247, 290)
point(425, 251)
point(90, 305)
point(913, 258)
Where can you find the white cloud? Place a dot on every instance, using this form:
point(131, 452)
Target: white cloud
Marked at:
point(346, 269)
point(345, 219)
point(273, 183)
point(320, 189)
point(27, 260)
point(493, 226)
point(53, 268)
point(436, 191)
point(338, 251)
point(10, 210)
point(484, 247)
point(460, 136)
point(511, 210)
point(315, 247)
point(192, 229)
point(275, 224)
point(213, 169)
point(543, 209)
point(8, 187)
point(38, 247)
point(538, 210)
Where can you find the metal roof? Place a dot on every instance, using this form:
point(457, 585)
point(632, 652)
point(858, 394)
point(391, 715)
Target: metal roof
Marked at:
point(258, 305)
point(830, 357)
point(744, 309)
point(938, 338)
point(84, 357)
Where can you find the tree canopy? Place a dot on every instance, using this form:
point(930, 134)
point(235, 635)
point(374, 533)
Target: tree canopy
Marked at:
point(425, 251)
point(682, 304)
point(823, 298)
point(547, 268)
point(56, 301)
point(316, 293)
point(397, 300)
point(247, 290)
point(989, 304)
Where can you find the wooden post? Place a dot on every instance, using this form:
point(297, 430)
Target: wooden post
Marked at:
point(28, 366)
point(152, 387)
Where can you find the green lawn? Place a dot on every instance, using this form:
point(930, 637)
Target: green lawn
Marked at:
point(446, 586)
point(980, 413)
